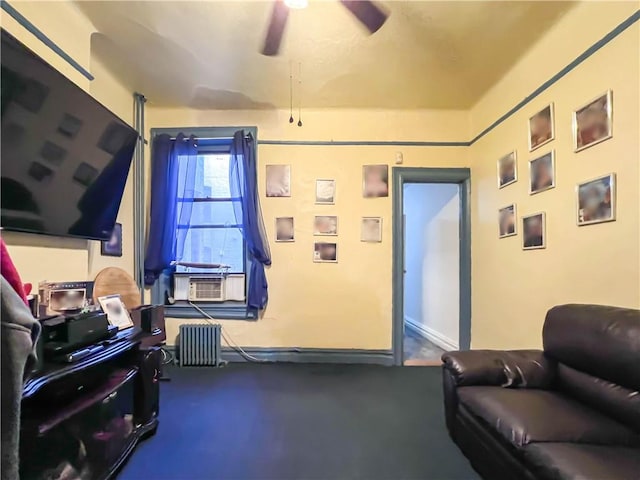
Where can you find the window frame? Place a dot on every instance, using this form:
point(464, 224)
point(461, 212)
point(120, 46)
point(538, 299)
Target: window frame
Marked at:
point(230, 310)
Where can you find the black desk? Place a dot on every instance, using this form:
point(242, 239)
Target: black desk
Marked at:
point(83, 419)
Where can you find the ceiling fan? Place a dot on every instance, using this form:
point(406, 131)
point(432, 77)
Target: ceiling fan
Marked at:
point(366, 11)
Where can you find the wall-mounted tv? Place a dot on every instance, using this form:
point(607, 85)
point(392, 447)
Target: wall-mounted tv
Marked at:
point(65, 157)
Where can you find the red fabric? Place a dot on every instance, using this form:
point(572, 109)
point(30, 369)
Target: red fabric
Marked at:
point(9, 272)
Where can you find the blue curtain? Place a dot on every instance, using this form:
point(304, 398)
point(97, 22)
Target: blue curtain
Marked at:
point(173, 168)
point(244, 185)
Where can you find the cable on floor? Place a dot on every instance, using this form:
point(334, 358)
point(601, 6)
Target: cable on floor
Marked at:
point(227, 338)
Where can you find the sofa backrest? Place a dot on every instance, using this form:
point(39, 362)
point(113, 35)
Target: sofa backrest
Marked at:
point(598, 353)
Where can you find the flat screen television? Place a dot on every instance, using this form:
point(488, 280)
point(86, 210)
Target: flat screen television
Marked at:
point(65, 157)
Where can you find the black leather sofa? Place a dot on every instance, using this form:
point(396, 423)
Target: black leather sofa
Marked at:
point(571, 411)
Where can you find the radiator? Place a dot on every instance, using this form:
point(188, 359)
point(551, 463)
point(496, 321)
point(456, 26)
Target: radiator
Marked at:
point(200, 345)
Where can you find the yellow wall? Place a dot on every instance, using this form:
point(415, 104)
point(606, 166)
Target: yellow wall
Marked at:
point(348, 305)
point(512, 289)
point(343, 305)
point(49, 258)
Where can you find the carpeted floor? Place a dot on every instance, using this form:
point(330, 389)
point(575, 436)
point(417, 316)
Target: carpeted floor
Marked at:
point(299, 422)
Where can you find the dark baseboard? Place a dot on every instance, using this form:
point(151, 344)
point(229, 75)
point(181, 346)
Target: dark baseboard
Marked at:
point(308, 355)
point(312, 355)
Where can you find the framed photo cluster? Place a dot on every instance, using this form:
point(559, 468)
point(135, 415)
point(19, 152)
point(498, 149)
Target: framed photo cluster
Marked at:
point(375, 184)
point(592, 123)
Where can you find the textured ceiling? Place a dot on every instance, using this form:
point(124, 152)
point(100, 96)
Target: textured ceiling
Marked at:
point(205, 54)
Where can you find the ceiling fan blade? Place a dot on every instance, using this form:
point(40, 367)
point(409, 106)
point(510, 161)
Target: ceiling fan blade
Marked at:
point(371, 16)
point(276, 28)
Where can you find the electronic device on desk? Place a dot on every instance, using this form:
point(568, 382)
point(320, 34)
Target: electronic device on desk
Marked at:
point(150, 319)
point(62, 298)
point(62, 335)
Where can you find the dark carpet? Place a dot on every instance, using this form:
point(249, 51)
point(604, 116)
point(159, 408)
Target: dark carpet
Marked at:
point(299, 422)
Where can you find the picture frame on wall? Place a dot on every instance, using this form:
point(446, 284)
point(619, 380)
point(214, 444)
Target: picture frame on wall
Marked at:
point(542, 173)
point(371, 230)
point(325, 225)
point(534, 231)
point(325, 252)
point(285, 229)
point(375, 181)
point(593, 122)
point(596, 200)
point(278, 180)
point(325, 192)
point(507, 221)
point(507, 169)
point(541, 128)
point(113, 246)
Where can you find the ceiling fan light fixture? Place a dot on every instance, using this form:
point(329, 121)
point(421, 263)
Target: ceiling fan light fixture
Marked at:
point(297, 4)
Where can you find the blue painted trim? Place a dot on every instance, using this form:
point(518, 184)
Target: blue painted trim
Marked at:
point(218, 311)
point(312, 355)
point(348, 143)
point(577, 61)
point(402, 175)
point(22, 20)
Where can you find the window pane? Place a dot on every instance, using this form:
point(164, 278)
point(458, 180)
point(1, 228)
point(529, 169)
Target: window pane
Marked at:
point(212, 176)
point(215, 245)
point(212, 213)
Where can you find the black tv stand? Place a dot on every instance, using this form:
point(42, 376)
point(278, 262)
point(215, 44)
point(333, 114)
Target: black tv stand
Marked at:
point(83, 419)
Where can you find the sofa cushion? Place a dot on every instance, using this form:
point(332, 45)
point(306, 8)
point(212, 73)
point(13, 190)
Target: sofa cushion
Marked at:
point(522, 416)
point(573, 461)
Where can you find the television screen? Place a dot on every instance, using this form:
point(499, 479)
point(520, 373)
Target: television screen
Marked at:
point(65, 157)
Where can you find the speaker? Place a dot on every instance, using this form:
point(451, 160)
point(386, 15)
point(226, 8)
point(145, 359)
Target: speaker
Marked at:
point(150, 319)
point(147, 388)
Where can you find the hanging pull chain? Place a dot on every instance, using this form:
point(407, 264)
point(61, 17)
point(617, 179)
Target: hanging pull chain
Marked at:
point(290, 92)
point(300, 94)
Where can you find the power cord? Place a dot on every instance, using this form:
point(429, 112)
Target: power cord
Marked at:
point(167, 356)
point(229, 341)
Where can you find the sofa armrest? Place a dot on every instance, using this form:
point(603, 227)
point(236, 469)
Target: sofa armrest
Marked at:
point(513, 368)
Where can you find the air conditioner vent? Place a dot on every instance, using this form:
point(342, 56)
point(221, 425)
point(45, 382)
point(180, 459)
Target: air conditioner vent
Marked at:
point(206, 289)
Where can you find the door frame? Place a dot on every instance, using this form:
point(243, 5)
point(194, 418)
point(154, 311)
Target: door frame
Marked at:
point(402, 176)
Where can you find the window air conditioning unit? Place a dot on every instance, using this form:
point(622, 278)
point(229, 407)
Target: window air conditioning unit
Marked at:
point(209, 287)
point(203, 289)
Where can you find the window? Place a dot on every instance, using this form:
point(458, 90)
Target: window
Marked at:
point(212, 234)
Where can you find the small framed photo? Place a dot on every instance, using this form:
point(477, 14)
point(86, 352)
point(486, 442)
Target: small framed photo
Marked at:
point(284, 229)
point(541, 128)
point(375, 181)
point(113, 246)
point(597, 200)
point(325, 192)
point(117, 313)
point(371, 229)
point(593, 122)
point(324, 252)
point(542, 173)
point(507, 170)
point(325, 225)
point(278, 181)
point(533, 231)
point(507, 221)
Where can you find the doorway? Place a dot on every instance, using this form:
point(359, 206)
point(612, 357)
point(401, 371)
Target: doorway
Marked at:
point(431, 263)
